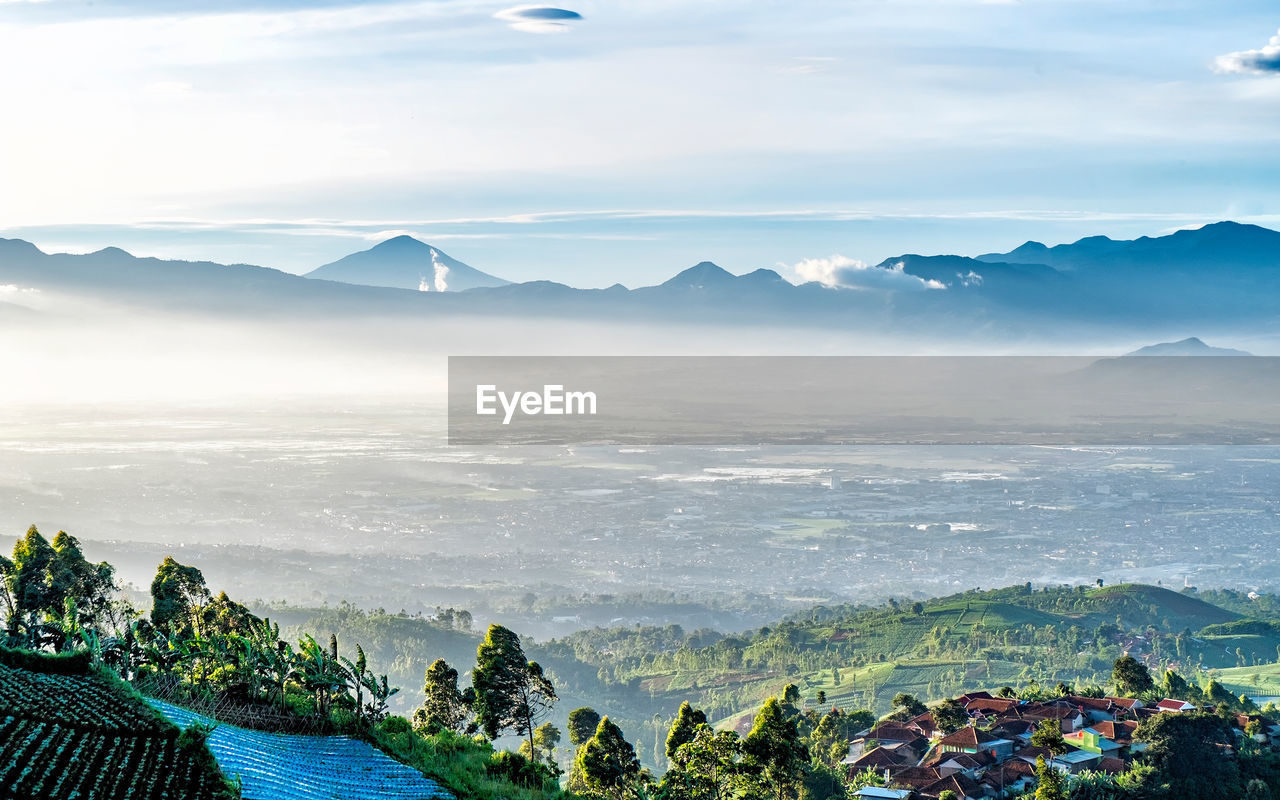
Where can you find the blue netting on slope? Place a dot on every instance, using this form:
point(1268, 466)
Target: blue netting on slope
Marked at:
point(277, 766)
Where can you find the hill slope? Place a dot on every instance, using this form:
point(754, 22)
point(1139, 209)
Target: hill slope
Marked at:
point(276, 766)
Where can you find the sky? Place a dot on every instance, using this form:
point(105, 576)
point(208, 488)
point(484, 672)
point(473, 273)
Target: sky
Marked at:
point(603, 141)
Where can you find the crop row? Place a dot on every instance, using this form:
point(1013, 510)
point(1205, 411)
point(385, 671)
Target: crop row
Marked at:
point(54, 762)
point(73, 700)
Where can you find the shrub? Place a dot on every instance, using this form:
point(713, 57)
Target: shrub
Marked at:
point(517, 769)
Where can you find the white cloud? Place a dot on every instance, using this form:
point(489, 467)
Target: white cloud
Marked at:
point(1263, 61)
point(846, 273)
point(22, 296)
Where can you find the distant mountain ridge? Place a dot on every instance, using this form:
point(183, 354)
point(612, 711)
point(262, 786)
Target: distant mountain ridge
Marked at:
point(404, 262)
point(1219, 277)
point(1217, 244)
point(1191, 346)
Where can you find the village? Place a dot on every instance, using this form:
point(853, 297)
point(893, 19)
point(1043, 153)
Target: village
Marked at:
point(993, 754)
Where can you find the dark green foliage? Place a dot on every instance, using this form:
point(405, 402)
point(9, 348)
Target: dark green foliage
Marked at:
point(682, 730)
point(545, 740)
point(774, 755)
point(499, 679)
point(1050, 783)
point(461, 763)
point(511, 693)
point(823, 782)
point(1048, 734)
point(84, 734)
point(75, 663)
point(950, 716)
point(1186, 753)
point(829, 741)
point(520, 771)
point(1176, 687)
point(444, 707)
point(50, 592)
point(1242, 627)
point(706, 768)
point(1097, 786)
point(1130, 677)
point(582, 724)
point(906, 706)
point(1257, 790)
point(176, 591)
point(606, 765)
point(33, 559)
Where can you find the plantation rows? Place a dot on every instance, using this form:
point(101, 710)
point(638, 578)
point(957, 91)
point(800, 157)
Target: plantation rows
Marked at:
point(74, 700)
point(53, 761)
point(277, 766)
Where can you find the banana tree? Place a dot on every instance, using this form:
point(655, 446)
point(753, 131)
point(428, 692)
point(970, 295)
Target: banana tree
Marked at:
point(321, 674)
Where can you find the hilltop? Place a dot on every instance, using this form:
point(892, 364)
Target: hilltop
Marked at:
point(404, 262)
point(1191, 346)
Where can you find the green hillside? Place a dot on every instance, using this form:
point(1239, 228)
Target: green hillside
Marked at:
point(1017, 636)
point(69, 731)
point(1145, 604)
point(934, 648)
point(1262, 681)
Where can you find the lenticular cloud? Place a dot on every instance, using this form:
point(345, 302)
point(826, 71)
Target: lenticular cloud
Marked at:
point(539, 19)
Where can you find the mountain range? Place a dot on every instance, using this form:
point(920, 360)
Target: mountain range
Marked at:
point(1223, 276)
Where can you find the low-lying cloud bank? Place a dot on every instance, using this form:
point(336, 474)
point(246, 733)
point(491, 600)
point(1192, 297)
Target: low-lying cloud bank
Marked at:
point(846, 273)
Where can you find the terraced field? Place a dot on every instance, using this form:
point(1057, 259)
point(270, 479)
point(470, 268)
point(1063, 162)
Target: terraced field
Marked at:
point(274, 766)
point(80, 736)
point(1261, 683)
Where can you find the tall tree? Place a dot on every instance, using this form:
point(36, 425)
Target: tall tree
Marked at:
point(546, 737)
point(33, 558)
point(1048, 734)
point(1130, 677)
point(950, 716)
point(1185, 751)
point(606, 765)
point(682, 730)
point(907, 706)
point(829, 743)
point(511, 693)
point(444, 707)
point(774, 753)
point(790, 699)
point(177, 592)
point(1051, 784)
point(582, 725)
point(71, 576)
point(706, 768)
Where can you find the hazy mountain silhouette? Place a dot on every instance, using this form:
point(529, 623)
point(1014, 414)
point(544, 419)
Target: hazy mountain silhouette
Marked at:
point(1211, 249)
point(1220, 277)
point(406, 263)
point(1190, 346)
